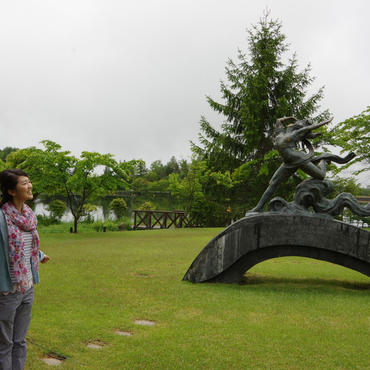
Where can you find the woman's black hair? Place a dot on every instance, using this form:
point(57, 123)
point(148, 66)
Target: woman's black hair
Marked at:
point(8, 181)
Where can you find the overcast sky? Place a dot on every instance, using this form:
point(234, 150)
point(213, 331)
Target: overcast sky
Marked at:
point(130, 77)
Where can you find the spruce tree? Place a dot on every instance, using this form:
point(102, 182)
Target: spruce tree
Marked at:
point(260, 88)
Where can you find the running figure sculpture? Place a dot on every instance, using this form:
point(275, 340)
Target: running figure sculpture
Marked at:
point(289, 133)
point(304, 227)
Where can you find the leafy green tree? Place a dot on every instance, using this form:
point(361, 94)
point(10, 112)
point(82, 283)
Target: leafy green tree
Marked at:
point(260, 89)
point(184, 168)
point(203, 193)
point(157, 171)
point(160, 185)
point(6, 151)
point(172, 166)
point(21, 159)
point(57, 209)
point(87, 212)
point(80, 180)
point(353, 135)
point(365, 191)
point(137, 168)
point(140, 184)
point(147, 206)
point(156, 179)
point(119, 207)
point(345, 185)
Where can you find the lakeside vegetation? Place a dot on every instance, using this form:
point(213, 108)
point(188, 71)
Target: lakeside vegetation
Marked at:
point(289, 312)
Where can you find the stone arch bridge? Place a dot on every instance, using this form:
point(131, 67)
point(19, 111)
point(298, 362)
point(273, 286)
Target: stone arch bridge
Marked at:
point(262, 236)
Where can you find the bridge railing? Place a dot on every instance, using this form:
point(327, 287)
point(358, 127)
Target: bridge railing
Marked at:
point(144, 220)
point(363, 198)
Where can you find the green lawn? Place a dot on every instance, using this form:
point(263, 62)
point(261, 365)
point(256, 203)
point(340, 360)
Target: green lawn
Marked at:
point(290, 313)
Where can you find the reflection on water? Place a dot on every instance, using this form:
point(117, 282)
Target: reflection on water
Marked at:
point(163, 202)
point(41, 209)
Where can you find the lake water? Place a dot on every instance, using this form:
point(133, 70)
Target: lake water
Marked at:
point(41, 209)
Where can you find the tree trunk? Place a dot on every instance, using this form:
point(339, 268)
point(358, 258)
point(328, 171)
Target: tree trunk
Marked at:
point(75, 224)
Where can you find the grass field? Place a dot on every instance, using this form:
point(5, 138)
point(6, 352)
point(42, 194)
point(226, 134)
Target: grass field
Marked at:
point(289, 313)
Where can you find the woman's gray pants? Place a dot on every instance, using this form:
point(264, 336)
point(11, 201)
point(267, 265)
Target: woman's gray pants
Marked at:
point(15, 317)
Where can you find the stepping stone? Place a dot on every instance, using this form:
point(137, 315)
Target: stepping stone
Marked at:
point(52, 361)
point(94, 346)
point(123, 333)
point(143, 274)
point(144, 322)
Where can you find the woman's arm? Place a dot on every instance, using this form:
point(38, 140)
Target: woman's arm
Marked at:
point(43, 257)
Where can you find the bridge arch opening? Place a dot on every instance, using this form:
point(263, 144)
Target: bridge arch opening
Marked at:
point(239, 268)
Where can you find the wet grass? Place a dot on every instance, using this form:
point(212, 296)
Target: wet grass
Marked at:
point(288, 313)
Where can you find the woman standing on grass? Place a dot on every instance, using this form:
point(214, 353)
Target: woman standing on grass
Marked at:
point(19, 263)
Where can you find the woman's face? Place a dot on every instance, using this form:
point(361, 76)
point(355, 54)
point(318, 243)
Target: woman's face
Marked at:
point(23, 190)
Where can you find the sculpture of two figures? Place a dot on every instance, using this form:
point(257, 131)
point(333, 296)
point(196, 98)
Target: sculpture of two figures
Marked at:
point(289, 133)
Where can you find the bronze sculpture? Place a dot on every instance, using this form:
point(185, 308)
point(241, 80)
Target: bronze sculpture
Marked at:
point(289, 133)
point(304, 227)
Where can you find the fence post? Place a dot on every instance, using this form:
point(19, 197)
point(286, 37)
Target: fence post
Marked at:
point(181, 219)
point(149, 219)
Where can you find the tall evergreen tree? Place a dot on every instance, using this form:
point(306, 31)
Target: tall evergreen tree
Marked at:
point(260, 89)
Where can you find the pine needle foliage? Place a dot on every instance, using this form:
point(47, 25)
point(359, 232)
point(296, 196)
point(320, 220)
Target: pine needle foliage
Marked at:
point(260, 88)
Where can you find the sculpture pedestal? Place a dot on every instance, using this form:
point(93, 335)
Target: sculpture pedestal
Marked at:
point(261, 236)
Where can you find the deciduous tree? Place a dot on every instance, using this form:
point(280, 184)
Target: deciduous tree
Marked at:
point(353, 135)
point(119, 207)
point(57, 209)
point(6, 151)
point(203, 193)
point(80, 180)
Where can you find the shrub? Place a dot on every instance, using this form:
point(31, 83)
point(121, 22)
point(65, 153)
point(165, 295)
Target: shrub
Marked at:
point(112, 225)
point(147, 206)
point(119, 207)
point(46, 220)
point(126, 224)
point(109, 225)
point(57, 209)
point(88, 209)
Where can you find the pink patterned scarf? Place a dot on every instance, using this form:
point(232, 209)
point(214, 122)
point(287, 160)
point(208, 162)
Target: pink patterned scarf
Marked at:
point(18, 222)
